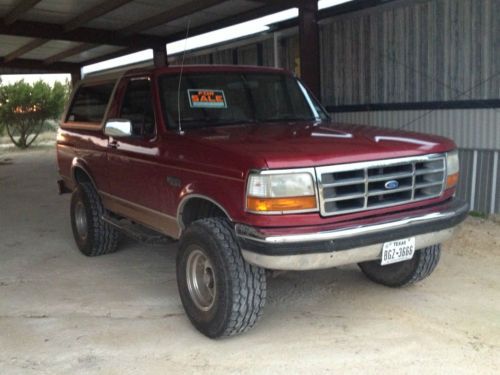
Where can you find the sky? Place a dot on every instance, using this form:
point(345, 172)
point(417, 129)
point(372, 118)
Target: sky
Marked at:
point(218, 36)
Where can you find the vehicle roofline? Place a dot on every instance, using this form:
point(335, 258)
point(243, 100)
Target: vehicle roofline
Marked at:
point(126, 71)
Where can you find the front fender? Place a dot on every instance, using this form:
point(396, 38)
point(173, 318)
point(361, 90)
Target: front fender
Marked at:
point(228, 195)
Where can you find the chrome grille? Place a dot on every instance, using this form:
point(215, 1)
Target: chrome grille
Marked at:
point(347, 188)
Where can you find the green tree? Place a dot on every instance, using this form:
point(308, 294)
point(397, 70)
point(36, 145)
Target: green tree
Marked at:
point(24, 108)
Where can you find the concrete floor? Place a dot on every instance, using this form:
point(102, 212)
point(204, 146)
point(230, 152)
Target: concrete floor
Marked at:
point(63, 313)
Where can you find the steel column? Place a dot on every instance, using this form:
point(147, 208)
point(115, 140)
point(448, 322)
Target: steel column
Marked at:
point(160, 56)
point(76, 75)
point(309, 45)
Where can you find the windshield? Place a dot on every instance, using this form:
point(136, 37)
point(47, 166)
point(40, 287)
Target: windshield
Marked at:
point(214, 99)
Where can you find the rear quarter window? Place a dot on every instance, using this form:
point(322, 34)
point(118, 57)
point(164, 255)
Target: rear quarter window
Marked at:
point(90, 102)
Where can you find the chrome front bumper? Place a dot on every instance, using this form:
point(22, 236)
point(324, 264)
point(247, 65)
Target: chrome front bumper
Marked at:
point(351, 244)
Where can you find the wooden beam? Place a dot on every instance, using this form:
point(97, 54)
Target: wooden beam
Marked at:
point(309, 46)
point(69, 52)
point(35, 65)
point(170, 15)
point(21, 7)
point(35, 43)
point(229, 21)
point(92, 13)
point(84, 35)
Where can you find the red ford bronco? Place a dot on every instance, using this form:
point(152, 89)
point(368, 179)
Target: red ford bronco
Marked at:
point(246, 169)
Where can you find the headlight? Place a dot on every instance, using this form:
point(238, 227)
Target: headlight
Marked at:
point(452, 166)
point(281, 193)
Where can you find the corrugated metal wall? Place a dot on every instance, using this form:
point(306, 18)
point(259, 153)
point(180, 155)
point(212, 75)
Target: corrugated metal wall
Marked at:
point(245, 54)
point(413, 51)
point(479, 183)
point(422, 51)
point(470, 128)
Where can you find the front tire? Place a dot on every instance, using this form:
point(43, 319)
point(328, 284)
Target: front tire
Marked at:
point(404, 273)
point(92, 234)
point(222, 294)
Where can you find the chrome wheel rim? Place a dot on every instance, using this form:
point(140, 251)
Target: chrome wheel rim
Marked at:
point(81, 220)
point(201, 281)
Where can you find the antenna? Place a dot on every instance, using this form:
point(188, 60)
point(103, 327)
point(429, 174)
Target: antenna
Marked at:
point(180, 80)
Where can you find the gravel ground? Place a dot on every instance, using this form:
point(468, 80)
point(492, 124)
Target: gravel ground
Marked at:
point(62, 313)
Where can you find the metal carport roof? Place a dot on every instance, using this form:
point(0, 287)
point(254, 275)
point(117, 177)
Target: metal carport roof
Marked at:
point(54, 35)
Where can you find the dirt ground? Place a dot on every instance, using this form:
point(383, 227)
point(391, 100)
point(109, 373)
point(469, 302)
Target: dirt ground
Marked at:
point(63, 313)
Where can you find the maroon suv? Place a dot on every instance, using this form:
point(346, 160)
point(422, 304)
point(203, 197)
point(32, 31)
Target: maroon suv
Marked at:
point(246, 169)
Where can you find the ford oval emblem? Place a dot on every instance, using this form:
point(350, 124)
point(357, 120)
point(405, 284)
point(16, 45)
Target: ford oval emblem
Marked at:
point(391, 184)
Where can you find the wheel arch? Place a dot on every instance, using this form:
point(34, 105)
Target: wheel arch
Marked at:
point(198, 206)
point(80, 173)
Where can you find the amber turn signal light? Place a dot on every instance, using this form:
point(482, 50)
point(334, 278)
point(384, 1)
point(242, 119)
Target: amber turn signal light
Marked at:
point(281, 204)
point(451, 180)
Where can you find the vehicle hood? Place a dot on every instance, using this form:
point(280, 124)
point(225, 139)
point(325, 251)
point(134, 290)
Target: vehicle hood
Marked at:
point(305, 144)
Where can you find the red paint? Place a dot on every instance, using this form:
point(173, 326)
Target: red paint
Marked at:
point(215, 162)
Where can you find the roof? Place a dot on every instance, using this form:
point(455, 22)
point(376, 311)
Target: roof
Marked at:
point(54, 35)
point(176, 69)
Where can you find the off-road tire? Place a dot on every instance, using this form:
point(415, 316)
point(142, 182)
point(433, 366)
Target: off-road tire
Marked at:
point(101, 238)
point(405, 273)
point(240, 292)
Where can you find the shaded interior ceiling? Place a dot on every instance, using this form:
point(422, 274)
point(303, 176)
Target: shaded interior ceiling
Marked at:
point(63, 36)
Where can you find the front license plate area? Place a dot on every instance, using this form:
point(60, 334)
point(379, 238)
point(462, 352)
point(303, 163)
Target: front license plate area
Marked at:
point(397, 251)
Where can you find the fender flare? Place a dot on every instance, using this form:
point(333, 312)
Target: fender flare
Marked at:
point(189, 197)
point(78, 163)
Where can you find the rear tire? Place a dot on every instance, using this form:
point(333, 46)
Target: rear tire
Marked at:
point(92, 234)
point(405, 273)
point(222, 294)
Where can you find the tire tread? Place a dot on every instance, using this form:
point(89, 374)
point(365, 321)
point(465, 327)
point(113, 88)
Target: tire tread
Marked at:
point(423, 264)
point(248, 282)
point(104, 236)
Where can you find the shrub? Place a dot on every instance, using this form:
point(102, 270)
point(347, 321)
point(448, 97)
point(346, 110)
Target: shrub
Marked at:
point(24, 108)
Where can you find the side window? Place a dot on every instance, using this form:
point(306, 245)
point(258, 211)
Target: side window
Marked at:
point(90, 103)
point(137, 107)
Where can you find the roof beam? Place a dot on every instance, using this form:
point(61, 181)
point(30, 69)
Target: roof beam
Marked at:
point(229, 21)
point(34, 65)
point(73, 24)
point(170, 15)
point(147, 23)
point(35, 43)
point(21, 7)
point(291, 3)
point(234, 20)
point(69, 52)
point(111, 55)
point(92, 13)
point(84, 35)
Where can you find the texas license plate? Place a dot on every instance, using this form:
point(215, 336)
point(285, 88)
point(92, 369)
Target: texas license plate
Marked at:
point(398, 251)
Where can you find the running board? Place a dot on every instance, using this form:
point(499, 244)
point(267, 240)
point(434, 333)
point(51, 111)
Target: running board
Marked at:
point(137, 231)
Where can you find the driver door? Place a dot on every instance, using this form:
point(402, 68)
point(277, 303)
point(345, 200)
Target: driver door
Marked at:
point(134, 175)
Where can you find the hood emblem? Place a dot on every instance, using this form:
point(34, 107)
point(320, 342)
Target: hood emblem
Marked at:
point(391, 184)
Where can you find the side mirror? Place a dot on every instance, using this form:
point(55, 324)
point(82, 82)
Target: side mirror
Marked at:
point(118, 127)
